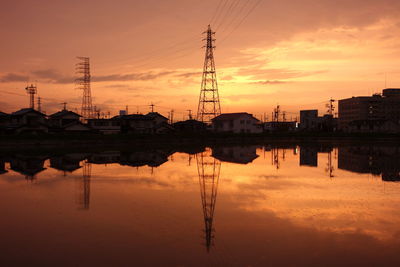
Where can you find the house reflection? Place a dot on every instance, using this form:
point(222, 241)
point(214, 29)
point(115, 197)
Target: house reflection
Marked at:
point(28, 165)
point(68, 162)
point(382, 160)
point(208, 168)
point(235, 154)
point(154, 158)
point(2, 165)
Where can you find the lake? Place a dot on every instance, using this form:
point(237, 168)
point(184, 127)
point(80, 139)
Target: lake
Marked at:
point(261, 205)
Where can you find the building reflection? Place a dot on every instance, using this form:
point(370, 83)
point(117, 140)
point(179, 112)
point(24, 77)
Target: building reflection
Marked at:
point(208, 168)
point(3, 165)
point(377, 160)
point(67, 163)
point(28, 165)
point(235, 154)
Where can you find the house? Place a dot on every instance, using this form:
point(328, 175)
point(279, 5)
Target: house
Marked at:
point(28, 120)
point(106, 126)
point(280, 126)
point(137, 123)
point(4, 121)
point(236, 123)
point(190, 126)
point(66, 121)
point(161, 124)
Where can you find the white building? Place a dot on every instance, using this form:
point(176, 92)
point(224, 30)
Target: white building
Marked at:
point(236, 123)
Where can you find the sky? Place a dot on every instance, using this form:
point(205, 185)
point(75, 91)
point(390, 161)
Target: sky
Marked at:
point(295, 53)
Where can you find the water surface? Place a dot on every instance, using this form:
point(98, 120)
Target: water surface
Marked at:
point(224, 206)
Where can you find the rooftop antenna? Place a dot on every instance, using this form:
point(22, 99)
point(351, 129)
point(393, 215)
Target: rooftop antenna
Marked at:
point(152, 107)
point(64, 105)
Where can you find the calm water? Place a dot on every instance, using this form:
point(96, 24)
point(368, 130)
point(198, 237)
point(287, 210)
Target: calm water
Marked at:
point(227, 206)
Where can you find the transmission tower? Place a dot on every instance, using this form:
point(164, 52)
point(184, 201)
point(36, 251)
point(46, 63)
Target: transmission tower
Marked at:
point(208, 169)
point(31, 90)
point(209, 105)
point(83, 69)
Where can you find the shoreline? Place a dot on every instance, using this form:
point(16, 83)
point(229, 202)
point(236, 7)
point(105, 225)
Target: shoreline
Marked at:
point(171, 141)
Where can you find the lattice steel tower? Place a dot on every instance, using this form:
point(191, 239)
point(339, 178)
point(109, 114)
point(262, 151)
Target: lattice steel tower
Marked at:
point(83, 68)
point(208, 169)
point(209, 106)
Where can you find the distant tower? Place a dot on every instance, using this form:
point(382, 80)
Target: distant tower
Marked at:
point(209, 106)
point(31, 90)
point(208, 169)
point(83, 82)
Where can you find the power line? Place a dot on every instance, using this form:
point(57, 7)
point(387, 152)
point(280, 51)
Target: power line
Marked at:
point(242, 20)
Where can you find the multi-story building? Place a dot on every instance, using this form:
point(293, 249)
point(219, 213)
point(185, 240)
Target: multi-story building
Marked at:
point(376, 113)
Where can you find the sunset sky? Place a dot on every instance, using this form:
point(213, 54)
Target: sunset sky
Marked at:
point(296, 53)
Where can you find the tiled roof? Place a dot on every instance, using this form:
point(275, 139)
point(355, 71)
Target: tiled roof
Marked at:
point(232, 116)
point(26, 110)
point(64, 112)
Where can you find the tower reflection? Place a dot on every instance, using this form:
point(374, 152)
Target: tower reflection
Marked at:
point(208, 169)
point(84, 197)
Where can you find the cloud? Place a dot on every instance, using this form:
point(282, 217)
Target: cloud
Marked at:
point(13, 77)
point(146, 76)
point(189, 74)
point(276, 74)
point(268, 82)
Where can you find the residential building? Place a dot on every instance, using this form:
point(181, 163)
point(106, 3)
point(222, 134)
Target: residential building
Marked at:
point(28, 120)
point(236, 123)
point(66, 121)
point(190, 126)
point(4, 122)
point(280, 126)
point(106, 126)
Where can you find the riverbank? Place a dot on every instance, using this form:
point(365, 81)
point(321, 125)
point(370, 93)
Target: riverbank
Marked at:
point(29, 142)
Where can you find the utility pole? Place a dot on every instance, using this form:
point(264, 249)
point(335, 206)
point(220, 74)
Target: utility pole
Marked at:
point(83, 68)
point(31, 90)
point(209, 106)
point(190, 114)
point(39, 105)
point(172, 116)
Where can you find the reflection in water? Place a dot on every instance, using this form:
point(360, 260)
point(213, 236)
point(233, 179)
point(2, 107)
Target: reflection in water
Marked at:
point(208, 169)
point(27, 165)
point(268, 207)
point(84, 199)
point(377, 160)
